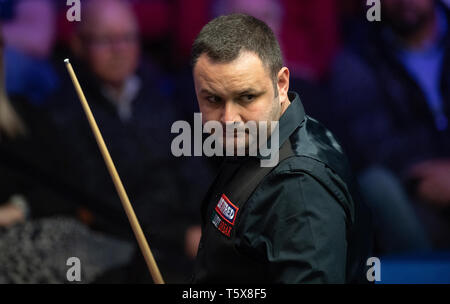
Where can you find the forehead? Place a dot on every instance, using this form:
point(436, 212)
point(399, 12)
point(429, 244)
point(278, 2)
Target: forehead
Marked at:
point(115, 17)
point(246, 71)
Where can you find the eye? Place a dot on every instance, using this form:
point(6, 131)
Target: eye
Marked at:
point(214, 99)
point(248, 98)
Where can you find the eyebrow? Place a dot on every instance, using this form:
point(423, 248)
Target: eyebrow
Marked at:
point(206, 91)
point(248, 91)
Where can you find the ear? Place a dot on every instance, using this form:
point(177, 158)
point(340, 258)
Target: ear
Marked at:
point(283, 85)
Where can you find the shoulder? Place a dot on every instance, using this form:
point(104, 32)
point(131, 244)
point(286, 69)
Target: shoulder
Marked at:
point(294, 216)
point(299, 184)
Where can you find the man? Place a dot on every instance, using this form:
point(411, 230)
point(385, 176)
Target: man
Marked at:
point(392, 93)
point(134, 118)
point(298, 222)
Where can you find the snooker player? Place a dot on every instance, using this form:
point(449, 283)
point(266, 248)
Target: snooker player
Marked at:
point(300, 221)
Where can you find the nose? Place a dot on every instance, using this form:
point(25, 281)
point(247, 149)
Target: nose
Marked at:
point(230, 113)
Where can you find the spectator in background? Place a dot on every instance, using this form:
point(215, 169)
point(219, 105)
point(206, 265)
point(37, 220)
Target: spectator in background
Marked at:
point(29, 38)
point(135, 121)
point(11, 125)
point(392, 96)
point(35, 245)
point(23, 162)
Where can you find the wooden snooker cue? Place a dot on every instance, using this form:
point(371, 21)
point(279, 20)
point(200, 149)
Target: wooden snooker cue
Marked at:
point(149, 259)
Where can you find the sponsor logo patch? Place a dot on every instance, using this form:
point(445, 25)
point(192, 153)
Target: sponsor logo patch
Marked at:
point(221, 225)
point(226, 209)
point(224, 215)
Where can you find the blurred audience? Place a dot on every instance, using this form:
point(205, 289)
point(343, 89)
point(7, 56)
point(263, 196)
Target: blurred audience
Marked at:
point(135, 120)
point(37, 233)
point(11, 126)
point(391, 94)
point(29, 38)
point(310, 36)
point(307, 31)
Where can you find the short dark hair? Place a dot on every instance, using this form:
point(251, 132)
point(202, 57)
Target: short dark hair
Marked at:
point(223, 39)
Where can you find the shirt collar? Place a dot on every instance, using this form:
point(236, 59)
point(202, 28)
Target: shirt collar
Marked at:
point(289, 121)
point(291, 118)
point(123, 102)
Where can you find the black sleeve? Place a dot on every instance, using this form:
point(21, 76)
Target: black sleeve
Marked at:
point(296, 226)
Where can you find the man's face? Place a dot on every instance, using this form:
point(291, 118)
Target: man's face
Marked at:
point(237, 91)
point(111, 45)
point(407, 16)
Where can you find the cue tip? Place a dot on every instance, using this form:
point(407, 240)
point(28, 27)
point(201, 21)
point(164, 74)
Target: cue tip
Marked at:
point(66, 60)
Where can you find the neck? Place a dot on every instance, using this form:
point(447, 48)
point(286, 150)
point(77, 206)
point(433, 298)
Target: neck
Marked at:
point(115, 89)
point(284, 106)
